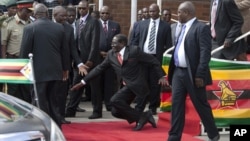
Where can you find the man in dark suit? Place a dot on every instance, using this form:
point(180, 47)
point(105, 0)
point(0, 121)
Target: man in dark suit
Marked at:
point(189, 73)
point(226, 23)
point(60, 16)
point(108, 29)
point(51, 63)
point(128, 62)
point(162, 41)
point(88, 38)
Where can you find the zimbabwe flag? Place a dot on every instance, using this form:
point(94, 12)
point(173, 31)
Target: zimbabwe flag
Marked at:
point(229, 95)
point(15, 71)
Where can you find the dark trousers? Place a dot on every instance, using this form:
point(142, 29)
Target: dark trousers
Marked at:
point(181, 85)
point(74, 96)
point(109, 86)
point(47, 93)
point(96, 95)
point(62, 97)
point(121, 105)
point(21, 91)
point(154, 96)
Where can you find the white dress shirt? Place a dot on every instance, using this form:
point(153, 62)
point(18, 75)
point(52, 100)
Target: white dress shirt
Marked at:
point(145, 48)
point(181, 51)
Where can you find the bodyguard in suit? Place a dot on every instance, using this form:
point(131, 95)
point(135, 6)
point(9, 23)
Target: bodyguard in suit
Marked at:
point(128, 62)
point(226, 22)
point(108, 29)
point(162, 40)
point(51, 61)
point(88, 38)
point(60, 16)
point(189, 73)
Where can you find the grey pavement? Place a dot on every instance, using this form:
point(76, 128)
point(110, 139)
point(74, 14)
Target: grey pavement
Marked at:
point(83, 117)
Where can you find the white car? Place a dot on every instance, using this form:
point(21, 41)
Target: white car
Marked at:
point(21, 121)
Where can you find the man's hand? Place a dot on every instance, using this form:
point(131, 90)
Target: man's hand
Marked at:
point(83, 70)
point(103, 54)
point(65, 75)
point(227, 44)
point(199, 82)
point(89, 64)
point(77, 86)
point(163, 81)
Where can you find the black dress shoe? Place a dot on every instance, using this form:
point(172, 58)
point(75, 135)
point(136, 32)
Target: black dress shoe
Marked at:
point(142, 121)
point(154, 111)
point(79, 109)
point(84, 99)
point(95, 116)
point(151, 119)
point(216, 138)
point(64, 121)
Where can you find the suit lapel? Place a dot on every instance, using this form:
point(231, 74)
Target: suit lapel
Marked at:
point(190, 29)
point(126, 53)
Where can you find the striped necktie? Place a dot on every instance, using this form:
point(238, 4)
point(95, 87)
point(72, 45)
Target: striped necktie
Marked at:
point(152, 37)
point(213, 18)
point(105, 27)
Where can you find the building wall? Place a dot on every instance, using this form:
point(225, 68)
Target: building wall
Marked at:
point(121, 9)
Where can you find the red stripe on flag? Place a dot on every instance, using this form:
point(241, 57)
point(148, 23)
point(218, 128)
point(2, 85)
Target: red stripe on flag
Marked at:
point(11, 74)
point(11, 67)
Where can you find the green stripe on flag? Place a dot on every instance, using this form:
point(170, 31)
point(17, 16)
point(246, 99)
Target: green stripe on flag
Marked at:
point(11, 71)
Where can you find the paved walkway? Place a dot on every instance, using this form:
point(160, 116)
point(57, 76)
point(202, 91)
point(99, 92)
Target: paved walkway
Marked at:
point(83, 117)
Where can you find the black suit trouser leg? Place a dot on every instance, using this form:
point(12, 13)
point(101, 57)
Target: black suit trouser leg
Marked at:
point(74, 96)
point(121, 105)
point(96, 94)
point(109, 85)
point(181, 85)
point(62, 97)
point(47, 93)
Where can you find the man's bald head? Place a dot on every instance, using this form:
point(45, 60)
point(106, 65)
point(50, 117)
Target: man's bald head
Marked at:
point(186, 11)
point(58, 9)
point(189, 7)
point(40, 10)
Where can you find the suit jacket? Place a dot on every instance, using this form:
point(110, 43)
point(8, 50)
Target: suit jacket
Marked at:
point(197, 45)
point(49, 49)
point(244, 7)
point(132, 69)
point(163, 41)
point(227, 26)
point(106, 39)
point(70, 41)
point(173, 30)
point(89, 41)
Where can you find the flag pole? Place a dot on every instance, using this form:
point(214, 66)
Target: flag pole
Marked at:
point(34, 81)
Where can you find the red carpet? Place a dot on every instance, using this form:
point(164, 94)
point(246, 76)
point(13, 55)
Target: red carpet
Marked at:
point(192, 120)
point(116, 131)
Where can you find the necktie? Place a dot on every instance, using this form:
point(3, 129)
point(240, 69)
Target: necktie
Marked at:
point(213, 17)
point(119, 58)
point(176, 60)
point(152, 37)
point(105, 27)
point(81, 25)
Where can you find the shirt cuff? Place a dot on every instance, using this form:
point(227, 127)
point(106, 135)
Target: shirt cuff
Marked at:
point(81, 64)
point(83, 82)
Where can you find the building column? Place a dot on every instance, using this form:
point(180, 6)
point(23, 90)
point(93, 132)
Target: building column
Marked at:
point(133, 11)
point(159, 3)
point(100, 4)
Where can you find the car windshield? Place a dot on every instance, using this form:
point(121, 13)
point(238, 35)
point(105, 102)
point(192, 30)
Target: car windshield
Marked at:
point(12, 109)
